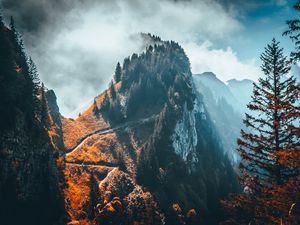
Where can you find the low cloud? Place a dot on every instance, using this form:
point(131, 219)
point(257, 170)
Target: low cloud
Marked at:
point(76, 44)
point(223, 62)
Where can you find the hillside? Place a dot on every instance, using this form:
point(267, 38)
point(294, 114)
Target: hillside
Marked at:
point(151, 132)
point(30, 180)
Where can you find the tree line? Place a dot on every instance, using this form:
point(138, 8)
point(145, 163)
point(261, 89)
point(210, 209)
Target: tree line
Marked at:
point(20, 86)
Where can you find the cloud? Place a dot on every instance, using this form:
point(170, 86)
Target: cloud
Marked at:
point(76, 44)
point(224, 63)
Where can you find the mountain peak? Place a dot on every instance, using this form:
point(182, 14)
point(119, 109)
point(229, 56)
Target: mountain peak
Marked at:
point(208, 75)
point(235, 81)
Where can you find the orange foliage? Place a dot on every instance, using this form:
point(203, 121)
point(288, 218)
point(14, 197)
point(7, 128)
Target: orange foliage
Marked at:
point(96, 149)
point(60, 163)
point(77, 192)
point(74, 130)
point(99, 154)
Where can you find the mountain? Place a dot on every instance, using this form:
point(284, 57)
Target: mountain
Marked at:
point(147, 151)
point(30, 180)
point(241, 90)
point(217, 88)
point(226, 105)
point(236, 92)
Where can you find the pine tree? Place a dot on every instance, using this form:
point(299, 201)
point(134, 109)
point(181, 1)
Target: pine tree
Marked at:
point(294, 33)
point(26, 67)
point(12, 25)
point(8, 77)
point(112, 90)
point(34, 81)
point(105, 104)
point(45, 120)
point(126, 63)
point(34, 75)
point(118, 73)
point(1, 20)
point(270, 134)
point(19, 46)
point(95, 108)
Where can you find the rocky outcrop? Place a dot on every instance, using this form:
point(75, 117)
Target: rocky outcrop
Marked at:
point(55, 131)
point(125, 202)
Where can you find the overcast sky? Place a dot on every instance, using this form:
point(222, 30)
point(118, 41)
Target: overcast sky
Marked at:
point(76, 44)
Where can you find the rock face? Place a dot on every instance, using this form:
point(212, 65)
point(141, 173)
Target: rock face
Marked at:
point(55, 132)
point(146, 151)
point(29, 178)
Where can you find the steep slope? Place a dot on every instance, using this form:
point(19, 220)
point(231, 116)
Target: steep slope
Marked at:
point(146, 151)
point(218, 89)
point(224, 109)
point(29, 178)
point(241, 89)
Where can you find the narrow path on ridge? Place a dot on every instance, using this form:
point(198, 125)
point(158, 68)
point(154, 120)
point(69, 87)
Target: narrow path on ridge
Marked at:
point(109, 130)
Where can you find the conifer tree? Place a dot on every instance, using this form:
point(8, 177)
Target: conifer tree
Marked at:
point(45, 120)
point(8, 76)
point(19, 46)
point(26, 67)
point(34, 83)
point(270, 135)
point(112, 90)
point(1, 20)
point(126, 63)
point(95, 108)
point(118, 73)
point(12, 25)
point(105, 104)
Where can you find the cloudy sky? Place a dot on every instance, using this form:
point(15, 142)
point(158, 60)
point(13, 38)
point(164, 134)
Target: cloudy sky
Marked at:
point(77, 43)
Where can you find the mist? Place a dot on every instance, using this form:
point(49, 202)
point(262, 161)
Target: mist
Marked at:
point(77, 44)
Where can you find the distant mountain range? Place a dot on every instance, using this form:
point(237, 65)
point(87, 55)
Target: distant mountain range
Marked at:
point(226, 104)
point(237, 93)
